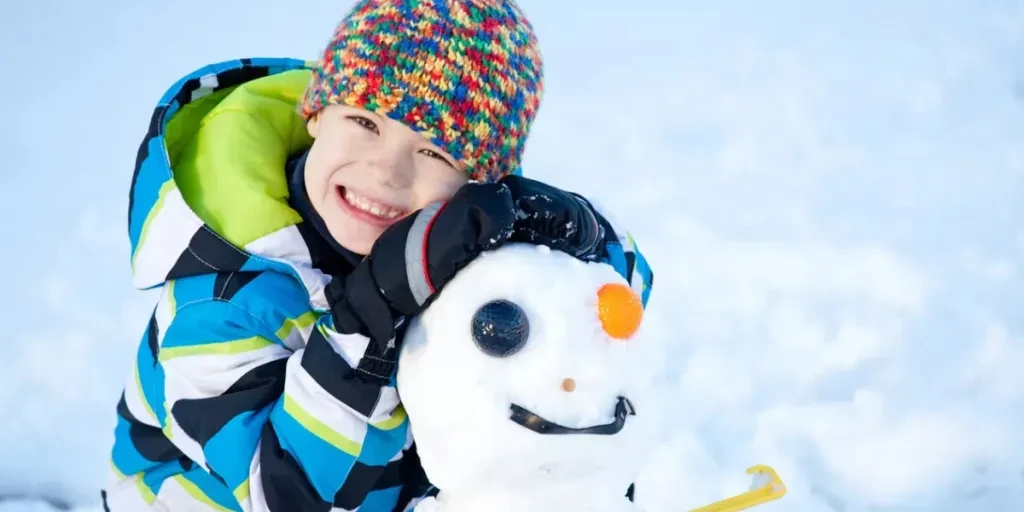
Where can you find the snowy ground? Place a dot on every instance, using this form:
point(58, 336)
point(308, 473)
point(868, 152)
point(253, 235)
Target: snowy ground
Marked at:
point(831, 198)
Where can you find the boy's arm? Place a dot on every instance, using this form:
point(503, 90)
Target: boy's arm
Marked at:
point(284, 430)
point(569, 222)
point(319, 427)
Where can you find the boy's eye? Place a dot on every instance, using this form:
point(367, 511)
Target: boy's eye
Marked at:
point(365, 123)
point(434, 154)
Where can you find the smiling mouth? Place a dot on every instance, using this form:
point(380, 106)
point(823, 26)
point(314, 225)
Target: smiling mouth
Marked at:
point(368, 206)
point(530, 420)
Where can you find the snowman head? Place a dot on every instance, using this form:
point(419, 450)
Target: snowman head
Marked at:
point(530, 366)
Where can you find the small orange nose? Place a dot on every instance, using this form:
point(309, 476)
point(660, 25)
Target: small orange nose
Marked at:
point(620, 310)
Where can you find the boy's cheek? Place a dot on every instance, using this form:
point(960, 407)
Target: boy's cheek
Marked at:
point(438, 189)
point(317, 172)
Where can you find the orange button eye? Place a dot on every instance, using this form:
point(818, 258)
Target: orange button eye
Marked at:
point(620, 310)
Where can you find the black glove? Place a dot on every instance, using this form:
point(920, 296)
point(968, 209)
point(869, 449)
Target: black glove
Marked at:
point(549, 216)
point(416, 257)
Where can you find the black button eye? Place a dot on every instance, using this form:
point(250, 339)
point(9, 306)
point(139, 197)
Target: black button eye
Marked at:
point(500, 328)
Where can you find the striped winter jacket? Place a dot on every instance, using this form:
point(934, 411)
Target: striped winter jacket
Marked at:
point(242, 396)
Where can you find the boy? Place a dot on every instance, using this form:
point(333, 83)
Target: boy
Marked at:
point(290, 247)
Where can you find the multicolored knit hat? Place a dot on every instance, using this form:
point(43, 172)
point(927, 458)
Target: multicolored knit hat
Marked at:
point(465, 73)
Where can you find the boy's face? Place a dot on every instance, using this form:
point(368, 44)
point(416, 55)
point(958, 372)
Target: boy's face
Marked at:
point(365, 172)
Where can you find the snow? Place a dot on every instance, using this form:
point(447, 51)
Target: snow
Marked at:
point(829, 193)
point(458, 397)
point(20, 505)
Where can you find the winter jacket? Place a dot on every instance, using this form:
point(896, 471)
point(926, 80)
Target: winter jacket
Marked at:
point(242, 395)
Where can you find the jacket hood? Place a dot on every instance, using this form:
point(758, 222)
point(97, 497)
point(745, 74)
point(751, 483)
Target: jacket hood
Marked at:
point(209, 193)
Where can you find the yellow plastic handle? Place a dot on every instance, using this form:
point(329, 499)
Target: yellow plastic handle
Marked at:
point(770, 491)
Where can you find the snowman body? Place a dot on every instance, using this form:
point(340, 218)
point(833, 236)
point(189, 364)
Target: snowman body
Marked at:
point(519, 398)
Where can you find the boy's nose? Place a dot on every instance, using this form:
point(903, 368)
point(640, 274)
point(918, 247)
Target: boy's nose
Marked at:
point(395, 171)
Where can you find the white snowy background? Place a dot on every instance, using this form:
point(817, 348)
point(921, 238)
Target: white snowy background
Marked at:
point(831, 194)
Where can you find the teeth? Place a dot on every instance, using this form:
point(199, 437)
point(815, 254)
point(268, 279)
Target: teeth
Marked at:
point(368, 206)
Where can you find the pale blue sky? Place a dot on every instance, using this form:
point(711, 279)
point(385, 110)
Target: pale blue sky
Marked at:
point(831, 194)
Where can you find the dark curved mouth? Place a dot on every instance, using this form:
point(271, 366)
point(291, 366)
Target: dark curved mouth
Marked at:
point(523, 417)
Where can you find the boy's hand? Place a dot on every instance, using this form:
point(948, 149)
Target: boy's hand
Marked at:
point(550, 216)
point(416, 257)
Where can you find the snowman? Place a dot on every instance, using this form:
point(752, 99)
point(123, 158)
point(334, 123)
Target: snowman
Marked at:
point(529, 384)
